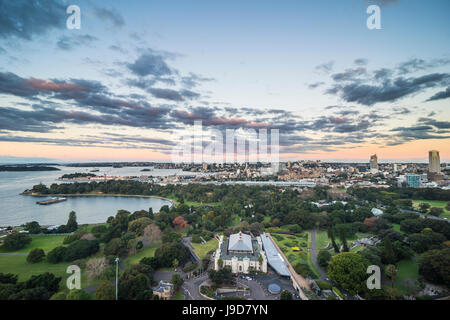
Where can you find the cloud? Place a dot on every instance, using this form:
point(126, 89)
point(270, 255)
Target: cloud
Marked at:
point(316, 84)
point(150, 62)
point(111, 15)
point(361, 61)
point(440, 95)
point(25, 19)
point(388, 90)
point(70, 42)
point(415, 64)
point(325, 67)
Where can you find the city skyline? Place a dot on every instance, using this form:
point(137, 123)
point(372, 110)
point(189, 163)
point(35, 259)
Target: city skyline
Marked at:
point(133, 79)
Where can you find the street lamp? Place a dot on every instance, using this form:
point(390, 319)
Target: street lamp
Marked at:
point(117, 277)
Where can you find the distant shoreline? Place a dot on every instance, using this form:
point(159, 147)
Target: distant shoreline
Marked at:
point(73, 195)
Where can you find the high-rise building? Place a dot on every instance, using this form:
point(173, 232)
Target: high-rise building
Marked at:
point(413, 180)
point(373, 163)
point(434, 162)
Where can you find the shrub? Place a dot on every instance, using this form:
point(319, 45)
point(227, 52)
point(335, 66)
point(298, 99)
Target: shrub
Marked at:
point(35, 255)
point(57, 254)
point(16, 241)
point(81, 249)
point(323, 285)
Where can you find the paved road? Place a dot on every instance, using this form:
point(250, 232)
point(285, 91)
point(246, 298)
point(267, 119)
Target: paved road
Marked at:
point(423, 216)
point(314, 253)
point(13, 254)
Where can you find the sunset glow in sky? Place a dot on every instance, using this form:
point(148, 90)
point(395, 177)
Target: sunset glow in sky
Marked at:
point(135, 77)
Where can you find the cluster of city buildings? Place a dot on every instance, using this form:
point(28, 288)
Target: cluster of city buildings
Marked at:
point(306, 173)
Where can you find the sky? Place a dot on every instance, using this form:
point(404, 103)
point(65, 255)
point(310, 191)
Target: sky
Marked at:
point(129, 84)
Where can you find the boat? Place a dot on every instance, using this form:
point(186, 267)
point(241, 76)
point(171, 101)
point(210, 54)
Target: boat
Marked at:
point(51, 201)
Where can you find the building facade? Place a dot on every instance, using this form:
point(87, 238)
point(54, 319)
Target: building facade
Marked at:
point(413, 180)
point(373, 163)
point(242, 252)
point(434, 162)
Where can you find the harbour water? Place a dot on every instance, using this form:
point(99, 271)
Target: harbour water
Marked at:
point(16, 209)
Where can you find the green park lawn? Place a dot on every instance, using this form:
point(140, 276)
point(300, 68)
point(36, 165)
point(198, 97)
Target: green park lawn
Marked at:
point(302, 241)
point(407, 269)
point(47, 243)
point(322, 240)
point(19, 265)
point(148, 251)
point(434, 203)
point(202, 249)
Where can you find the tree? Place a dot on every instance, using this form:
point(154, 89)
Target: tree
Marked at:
point(349, 271)
point(152, 233)
point(437, 212)
point(72, 224)
point(105, 291)
point(333, 241)
point(391, 273)
point(138, 226)
point(81, 249)
point(16, 241)
point(343, 240)
point(220, 263)
point(221, 276)
point(434, 266)
point(35, 255)
point(78, 294)
point(115, 247)
point(57, 254)
point(177, 281)
point(423, 207)
point(33, 227)
point(95, 267)
point(285, 295)
point(388, 253)
point(46, 280)
point(175, 263)
point(8, 278)
point(323, 258)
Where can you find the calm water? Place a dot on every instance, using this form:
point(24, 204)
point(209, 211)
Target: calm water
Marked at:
point(16, 209)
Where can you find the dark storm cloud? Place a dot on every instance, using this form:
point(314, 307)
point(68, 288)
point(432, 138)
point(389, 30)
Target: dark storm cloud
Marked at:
point(111, 15)
point(71, 42)
point(152, 63)
point(25, 19)
point(440, 95)
point(387, 91)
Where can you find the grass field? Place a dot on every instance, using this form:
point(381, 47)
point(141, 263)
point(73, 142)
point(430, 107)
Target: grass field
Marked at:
point(303, 241)
point(322, 240)
point(19, 265)
point(433, 203)
point(202, 249)
point(407, 269)
point(148, 251)
point(47, 243)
